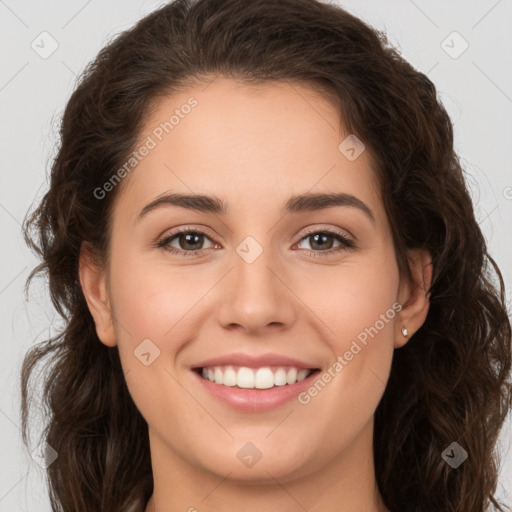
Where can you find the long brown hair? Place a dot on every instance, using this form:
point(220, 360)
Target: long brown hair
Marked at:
point(449, 383)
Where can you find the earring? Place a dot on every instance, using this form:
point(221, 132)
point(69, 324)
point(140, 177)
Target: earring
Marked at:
point(405, 332)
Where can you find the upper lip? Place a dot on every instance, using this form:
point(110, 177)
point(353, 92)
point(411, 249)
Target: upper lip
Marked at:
point(254, 361)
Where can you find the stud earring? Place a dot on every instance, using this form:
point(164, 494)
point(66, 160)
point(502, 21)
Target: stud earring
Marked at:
point(405, 332)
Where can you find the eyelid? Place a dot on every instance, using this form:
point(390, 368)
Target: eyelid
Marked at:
point(327, 229)
point(195, 228)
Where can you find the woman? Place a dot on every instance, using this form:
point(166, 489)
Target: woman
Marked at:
point(334, 337)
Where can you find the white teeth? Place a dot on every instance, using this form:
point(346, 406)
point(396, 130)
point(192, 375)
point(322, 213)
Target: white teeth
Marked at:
point(291, 376)
point(264, 378)
point(229, 377)
point(245, 378)
point(280, 377)
point(249, 378)
point(302, 374)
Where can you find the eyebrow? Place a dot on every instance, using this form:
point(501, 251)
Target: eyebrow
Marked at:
point(295, 204)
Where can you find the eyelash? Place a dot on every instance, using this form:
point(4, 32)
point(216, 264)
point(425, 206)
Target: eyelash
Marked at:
point(346, 243)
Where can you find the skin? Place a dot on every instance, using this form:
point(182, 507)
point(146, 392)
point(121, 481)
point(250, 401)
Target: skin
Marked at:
point(254, 147)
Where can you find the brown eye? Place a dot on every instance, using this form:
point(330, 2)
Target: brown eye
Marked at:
point(322, 241)
point(189, 242)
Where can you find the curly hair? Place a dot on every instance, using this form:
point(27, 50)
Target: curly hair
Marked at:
point(449, 383)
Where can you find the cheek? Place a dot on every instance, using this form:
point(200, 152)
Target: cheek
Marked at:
point(148, 305)
point(357, 301)
point(365, 310)
point(148, 301)
point(360, 307)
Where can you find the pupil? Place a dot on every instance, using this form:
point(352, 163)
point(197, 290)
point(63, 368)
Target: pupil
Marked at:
point(318, 235)
point(188, 236)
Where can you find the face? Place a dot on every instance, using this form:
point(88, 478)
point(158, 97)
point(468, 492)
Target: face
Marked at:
point(312, 284)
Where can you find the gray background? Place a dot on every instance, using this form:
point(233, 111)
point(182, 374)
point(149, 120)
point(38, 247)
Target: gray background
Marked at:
point(475, 87)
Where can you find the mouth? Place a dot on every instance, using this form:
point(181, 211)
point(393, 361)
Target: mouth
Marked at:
point(266, 377)
point(251, 382)
point(253, 390)
point(254, 378)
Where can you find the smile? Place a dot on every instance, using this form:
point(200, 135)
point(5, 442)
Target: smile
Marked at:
point(256, 389)
point(254, 378)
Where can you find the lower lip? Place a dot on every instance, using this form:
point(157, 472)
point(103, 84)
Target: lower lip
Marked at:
point(256, 400)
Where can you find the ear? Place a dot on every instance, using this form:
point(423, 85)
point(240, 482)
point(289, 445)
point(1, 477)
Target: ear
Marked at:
point(93, 281)
point(413, 296)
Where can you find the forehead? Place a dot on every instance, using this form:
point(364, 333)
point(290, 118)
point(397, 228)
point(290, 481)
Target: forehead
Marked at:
point(252, 145)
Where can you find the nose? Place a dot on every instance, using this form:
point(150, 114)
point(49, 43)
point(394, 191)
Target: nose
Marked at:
point(256, 296)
